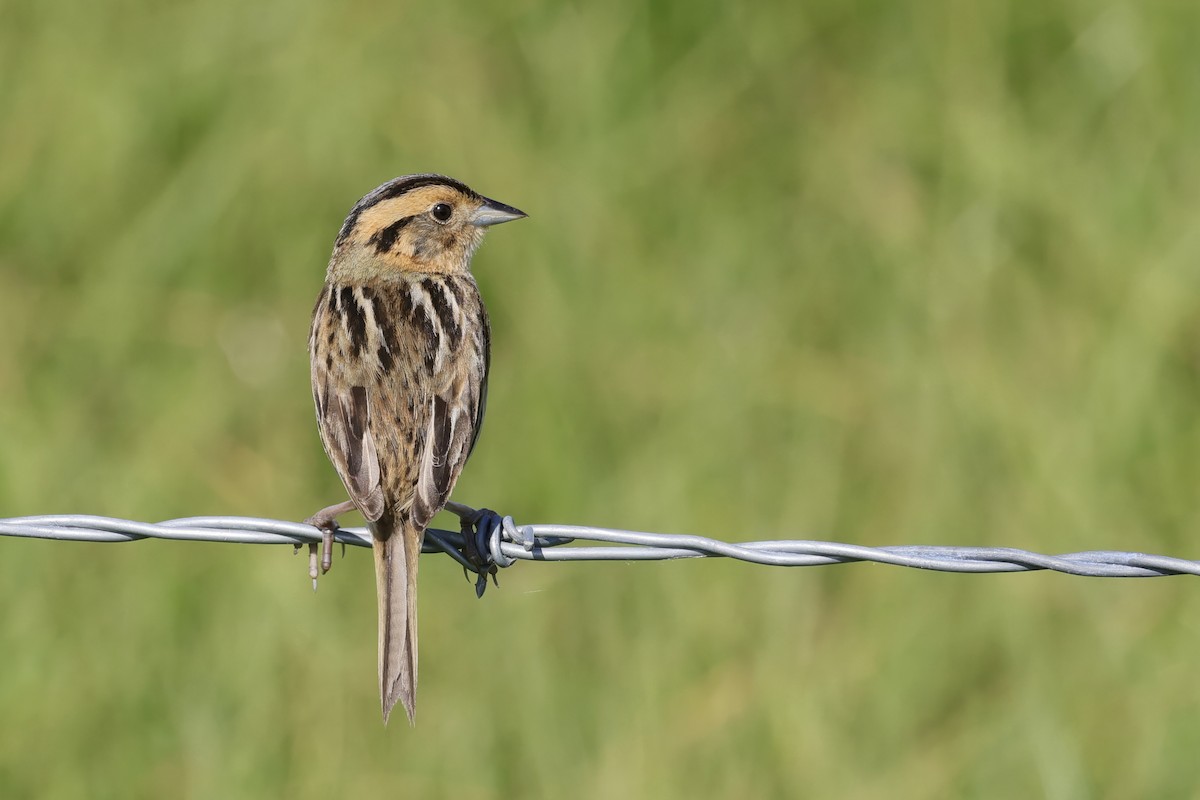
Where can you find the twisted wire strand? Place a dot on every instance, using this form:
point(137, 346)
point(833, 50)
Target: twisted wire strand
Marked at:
point(489, 540)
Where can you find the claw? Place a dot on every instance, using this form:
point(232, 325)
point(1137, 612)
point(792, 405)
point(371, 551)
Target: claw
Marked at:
point(326, 550)
point(481, 580)
point(312, 564)
point(482, 565)
point(324, 520)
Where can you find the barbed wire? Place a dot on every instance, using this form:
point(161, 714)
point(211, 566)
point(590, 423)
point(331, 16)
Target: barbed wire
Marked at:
point(488, 540)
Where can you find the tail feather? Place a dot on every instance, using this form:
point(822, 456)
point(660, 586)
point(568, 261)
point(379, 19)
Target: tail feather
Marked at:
point(396, 555)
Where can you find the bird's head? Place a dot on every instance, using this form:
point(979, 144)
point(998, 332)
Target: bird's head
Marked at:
point(416, 223)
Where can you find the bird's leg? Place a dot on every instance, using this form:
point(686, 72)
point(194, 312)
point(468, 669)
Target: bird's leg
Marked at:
point(462, 510)
point(325, 520)
point(469, 519)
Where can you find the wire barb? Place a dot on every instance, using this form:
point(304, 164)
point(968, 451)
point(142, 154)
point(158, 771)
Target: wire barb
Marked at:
point(488, 542)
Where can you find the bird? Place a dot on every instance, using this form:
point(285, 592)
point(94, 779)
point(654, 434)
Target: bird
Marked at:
point(400, 354)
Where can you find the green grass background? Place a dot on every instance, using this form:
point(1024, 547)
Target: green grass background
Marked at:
point(882, 273)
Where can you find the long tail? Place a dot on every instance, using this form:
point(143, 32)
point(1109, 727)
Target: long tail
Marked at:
point(396, 586)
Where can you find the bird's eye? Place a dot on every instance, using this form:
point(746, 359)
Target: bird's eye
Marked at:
point(441, 212)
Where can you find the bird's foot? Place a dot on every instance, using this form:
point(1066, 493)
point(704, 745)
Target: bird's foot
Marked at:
point(481, 561)
point(325, 521)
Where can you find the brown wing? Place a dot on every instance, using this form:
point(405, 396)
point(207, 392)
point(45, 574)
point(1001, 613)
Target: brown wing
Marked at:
point(344, 419)
point(343, 408)
point(447, 443)
point(456, 407)
point(484, 343)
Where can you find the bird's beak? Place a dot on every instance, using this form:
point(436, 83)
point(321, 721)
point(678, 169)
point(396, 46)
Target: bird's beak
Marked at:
point(493, 212)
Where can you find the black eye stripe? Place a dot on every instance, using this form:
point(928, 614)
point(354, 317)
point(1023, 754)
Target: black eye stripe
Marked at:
point(384, 239)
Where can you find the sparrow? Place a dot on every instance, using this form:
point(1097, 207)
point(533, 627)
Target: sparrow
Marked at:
point(400, 352)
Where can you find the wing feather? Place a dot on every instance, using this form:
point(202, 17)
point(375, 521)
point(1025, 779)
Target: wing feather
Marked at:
point(484, 343)
point(447, 444)
point(344, 419)
point(456, 412)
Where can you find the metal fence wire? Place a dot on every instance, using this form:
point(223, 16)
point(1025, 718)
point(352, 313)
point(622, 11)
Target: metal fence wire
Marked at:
point(488, 541)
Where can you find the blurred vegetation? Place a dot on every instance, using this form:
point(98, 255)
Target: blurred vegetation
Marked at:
point(884, 273)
